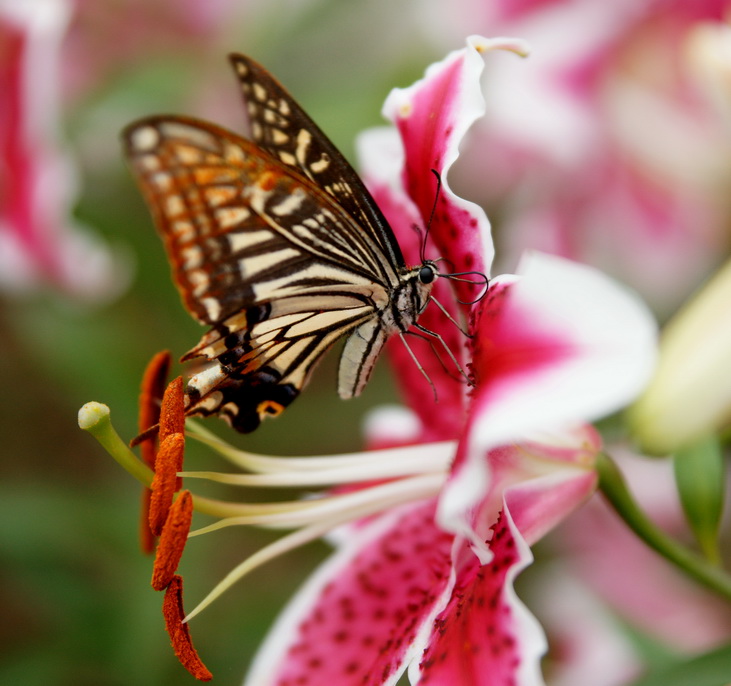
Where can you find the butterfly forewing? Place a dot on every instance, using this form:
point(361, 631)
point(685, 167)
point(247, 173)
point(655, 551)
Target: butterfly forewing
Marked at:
point(239, 228)
point(281, 127)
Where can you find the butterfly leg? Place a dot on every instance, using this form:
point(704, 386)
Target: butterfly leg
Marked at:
point(448, 316)
point(435, 335)
point(418, 365)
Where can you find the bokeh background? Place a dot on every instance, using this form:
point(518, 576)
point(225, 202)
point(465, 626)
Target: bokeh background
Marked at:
point(610, 144)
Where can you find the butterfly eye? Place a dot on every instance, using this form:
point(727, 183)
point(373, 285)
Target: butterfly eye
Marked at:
point(427, 274)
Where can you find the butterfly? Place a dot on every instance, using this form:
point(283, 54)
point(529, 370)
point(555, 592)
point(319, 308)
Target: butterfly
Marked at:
point(275, 244)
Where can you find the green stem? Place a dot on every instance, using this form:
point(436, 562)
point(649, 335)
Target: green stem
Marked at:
point(95, 418)
point(614, 488)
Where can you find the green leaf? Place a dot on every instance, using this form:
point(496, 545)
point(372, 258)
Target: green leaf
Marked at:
point(699, 473)
point(710, 669)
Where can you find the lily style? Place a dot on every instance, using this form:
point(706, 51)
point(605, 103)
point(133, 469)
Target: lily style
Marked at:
point(433, 524)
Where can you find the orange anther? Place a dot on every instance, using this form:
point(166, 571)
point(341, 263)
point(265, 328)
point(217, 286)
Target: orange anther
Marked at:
point(153, 386)
point(172, 412)
point(172, 609)
point(165, 482)
point(147, 538)
point(172, 541)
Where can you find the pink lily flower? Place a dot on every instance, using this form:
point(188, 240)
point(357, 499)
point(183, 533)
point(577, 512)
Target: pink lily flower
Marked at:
point(608, 581)
point(106, 37)
point(428, 585)
point(39, 242)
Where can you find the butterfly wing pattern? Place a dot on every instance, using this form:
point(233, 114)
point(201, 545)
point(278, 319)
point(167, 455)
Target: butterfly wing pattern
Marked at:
point(277, 246)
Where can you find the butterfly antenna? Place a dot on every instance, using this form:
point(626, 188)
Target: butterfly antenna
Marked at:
point(455, 275)
point(422, 254)
point(483, 279)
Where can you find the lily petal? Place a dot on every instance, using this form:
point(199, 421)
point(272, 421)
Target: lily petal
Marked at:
point(486, 636)
point(562, 345)
point(432, 117)
point(357, 619)
point(402, 215)
point(559, 346)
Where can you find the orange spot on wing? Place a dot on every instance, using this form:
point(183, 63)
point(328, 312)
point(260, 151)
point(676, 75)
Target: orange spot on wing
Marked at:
point(172, 609)
point(205, 176)
point(267, 181)
point(270, 407)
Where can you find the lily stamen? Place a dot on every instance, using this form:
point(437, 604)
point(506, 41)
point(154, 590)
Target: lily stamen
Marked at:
point(173, 612)
point(151, 392)
point(168, 463)
point(172, 541)
point(343, 506)
point(387, 478)
point(172, 411)
point(374, 464)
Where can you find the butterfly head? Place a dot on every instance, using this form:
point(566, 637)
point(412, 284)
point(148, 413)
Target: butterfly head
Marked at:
point(420, 280)
point(428, 273)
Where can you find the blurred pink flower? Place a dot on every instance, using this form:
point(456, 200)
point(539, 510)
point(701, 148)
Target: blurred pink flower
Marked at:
point(428, 584)
point(40, 243)
point(105, 37)
point(603, 146)
point(586, 644)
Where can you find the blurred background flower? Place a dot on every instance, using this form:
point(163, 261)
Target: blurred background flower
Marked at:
point(609, 145)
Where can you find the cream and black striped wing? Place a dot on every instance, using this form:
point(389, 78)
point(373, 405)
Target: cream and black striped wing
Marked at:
point(282, 128)
point(272, 262)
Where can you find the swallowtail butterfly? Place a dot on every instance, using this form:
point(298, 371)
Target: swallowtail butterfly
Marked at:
point(277, 246)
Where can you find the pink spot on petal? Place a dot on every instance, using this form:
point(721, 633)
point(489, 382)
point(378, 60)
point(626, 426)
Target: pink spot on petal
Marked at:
point(368, 615)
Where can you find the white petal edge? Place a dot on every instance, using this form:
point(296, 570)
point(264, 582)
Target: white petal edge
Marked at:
point(615, 338)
